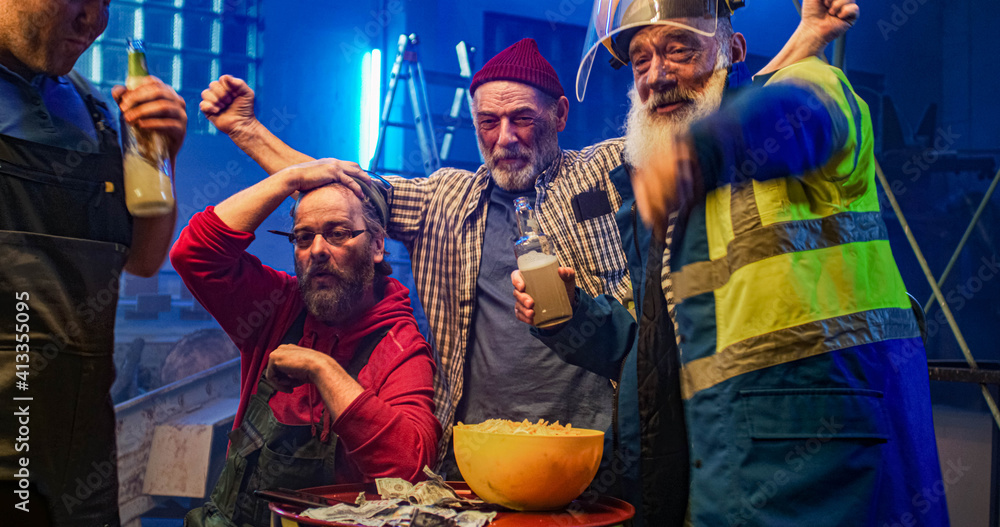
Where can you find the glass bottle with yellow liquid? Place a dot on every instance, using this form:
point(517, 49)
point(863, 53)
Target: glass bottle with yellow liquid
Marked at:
point(149, 190)
point(539, 266)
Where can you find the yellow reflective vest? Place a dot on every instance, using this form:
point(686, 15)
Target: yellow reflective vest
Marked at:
point(805, 387)
point(772, 271)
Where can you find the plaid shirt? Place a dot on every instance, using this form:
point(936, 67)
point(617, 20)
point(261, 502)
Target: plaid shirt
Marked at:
point(441, 219)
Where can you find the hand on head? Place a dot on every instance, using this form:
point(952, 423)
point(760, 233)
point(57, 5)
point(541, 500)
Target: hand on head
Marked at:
point(155, 107)
point(312, 174)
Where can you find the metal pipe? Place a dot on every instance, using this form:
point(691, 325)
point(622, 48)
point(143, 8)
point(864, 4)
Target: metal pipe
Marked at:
point(840, 52)
point(965, 238)
point(934, 287)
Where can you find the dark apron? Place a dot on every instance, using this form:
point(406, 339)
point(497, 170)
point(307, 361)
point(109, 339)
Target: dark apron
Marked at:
point(266, 454)
point(64, 237)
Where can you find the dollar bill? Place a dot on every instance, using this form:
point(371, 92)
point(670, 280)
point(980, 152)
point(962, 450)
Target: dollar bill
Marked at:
point(430, 493)
point(346, 513)
point(430, 503)
point(434, 491)
point(474, 518)
point(393, 488)
point(402, 515)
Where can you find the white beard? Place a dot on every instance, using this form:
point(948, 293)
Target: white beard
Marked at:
point(646, 132)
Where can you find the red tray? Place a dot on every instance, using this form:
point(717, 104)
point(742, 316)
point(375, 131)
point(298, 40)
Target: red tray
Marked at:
point(603, 512)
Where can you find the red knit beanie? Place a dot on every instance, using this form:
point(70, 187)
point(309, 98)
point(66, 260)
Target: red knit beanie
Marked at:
point(521, 62)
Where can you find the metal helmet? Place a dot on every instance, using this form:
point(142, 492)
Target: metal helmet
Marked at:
point(613, 23)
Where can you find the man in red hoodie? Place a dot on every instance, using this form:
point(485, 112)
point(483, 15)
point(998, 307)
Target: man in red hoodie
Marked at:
point(337, 383)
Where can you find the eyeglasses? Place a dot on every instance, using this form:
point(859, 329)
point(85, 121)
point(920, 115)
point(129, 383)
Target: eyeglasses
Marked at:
point(336, 236)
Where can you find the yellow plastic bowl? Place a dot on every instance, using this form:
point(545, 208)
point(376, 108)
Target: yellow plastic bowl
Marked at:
point(528, 472)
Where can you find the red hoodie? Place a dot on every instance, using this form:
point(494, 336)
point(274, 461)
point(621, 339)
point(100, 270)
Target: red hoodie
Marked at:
point(390, 429)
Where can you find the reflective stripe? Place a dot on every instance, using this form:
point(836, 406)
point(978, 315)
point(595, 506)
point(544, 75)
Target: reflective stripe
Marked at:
point(777, 239)
point(799, 342)
point(808, 268)
point(798, 288)
point(746, 213)
point(719, 231)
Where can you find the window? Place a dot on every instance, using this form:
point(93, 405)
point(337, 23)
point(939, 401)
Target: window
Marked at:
point(189, 43)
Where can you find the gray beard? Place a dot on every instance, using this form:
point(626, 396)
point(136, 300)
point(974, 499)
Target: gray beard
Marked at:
point(646, 132)
point(523, 179)
point(340, 301)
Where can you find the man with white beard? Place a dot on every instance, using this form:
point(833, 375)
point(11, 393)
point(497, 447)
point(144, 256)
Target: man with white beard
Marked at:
point(789, 312)
point(459, 228)
point(603, 336)
point(646, 128)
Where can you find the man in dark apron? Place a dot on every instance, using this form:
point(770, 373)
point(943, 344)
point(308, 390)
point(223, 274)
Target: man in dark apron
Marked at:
point(65, 236)
point(336, 380)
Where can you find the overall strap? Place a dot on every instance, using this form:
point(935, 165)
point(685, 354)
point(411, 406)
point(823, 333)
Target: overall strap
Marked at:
point(364, 352)
point(98, 110)
point(294, 334)
point(295, 331)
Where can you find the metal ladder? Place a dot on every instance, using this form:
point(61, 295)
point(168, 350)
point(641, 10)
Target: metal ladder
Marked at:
point(407, 68)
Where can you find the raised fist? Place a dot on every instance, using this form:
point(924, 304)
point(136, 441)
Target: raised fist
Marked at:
point(829, 19)
point(228, 104)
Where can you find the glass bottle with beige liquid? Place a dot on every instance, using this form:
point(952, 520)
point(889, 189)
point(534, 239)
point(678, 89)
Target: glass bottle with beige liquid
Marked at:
point(148, 187)
point(539, 267)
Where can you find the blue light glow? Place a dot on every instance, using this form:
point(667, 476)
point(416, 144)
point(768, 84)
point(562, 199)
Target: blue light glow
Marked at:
point(371, 101)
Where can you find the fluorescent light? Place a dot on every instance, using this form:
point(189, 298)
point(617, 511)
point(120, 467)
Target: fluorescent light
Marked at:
point(178, 31)
point(216, 39)
point(138, 24)
point(371, 101)
point(175, 73)
point(96, 63)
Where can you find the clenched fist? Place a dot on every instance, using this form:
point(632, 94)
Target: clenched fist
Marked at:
point(228, 104)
